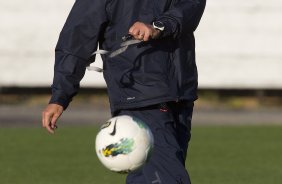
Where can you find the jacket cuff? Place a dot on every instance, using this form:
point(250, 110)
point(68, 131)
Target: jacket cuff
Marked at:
point(59, 101)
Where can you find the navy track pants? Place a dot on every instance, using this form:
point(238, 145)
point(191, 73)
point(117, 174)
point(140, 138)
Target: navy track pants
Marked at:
point(170, 124)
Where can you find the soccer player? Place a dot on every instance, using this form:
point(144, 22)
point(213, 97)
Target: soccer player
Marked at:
point(154, 80)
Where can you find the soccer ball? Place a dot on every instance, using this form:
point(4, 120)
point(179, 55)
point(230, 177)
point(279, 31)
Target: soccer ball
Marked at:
point(124, 144)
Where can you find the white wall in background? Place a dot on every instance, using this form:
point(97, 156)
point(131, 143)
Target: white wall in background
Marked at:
point(239, 44)
point(29, 32)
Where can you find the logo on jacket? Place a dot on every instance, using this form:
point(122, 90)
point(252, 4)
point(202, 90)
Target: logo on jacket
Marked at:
point(130, 98)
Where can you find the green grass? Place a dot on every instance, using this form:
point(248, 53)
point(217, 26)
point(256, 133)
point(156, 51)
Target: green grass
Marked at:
point(236, 155)
point(217, 155)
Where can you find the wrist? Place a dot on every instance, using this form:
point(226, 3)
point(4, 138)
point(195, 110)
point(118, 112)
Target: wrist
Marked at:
point(59, 101)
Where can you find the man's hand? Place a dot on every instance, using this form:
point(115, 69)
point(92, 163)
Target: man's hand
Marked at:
point(145, 32)
point(50, 116)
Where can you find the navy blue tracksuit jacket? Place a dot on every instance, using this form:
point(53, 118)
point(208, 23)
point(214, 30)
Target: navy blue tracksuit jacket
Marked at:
point(148, 73)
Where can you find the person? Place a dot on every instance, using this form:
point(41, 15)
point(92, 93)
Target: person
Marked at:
point(154, 80)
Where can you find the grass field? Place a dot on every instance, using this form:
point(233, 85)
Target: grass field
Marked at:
point(217, 155)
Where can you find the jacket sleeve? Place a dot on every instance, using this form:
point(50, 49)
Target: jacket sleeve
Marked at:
point(77, 41)
point(182, 17)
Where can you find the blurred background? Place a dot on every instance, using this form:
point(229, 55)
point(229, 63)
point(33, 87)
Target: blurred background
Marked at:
point(239, 58)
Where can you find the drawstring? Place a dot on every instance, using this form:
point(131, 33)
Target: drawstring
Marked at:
point(95, 68)
point(123, 47)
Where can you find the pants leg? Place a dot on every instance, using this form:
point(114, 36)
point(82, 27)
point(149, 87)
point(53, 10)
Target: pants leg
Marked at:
point(166, 165)
point(183, 112)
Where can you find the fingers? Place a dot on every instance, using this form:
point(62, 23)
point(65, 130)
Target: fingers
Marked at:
point(54, 121)
point(141, 31)
point(50, 116)
point(46, 121)
point(141, 35)
point(147, 35)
